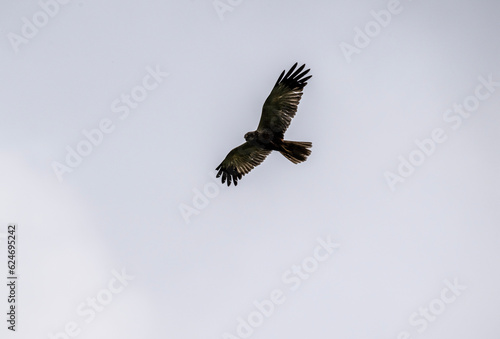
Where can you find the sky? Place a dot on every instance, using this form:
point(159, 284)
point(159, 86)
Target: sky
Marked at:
point(115, 115)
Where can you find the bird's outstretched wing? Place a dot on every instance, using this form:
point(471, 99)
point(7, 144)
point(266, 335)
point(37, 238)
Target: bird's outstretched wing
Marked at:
point(240, 161)
point(281, 105)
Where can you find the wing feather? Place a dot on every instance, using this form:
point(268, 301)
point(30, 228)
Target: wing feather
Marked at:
point(281, 104)
point(240, 161)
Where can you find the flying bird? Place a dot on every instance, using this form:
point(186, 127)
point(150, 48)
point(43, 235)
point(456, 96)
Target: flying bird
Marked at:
point(279, 109)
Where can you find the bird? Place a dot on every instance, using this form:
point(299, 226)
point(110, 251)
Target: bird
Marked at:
point(277, 113)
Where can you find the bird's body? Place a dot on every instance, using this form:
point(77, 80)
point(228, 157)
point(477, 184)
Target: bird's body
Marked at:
point(279, 109)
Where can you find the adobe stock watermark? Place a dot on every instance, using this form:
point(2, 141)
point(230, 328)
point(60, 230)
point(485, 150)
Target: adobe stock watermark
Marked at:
point(201, 198)
point(363, 36)
point(292, 278)
point(224, 6)
point(431, 311)
point(88, 309)
point(94, 137)
point(30, 27)
point(454, 117)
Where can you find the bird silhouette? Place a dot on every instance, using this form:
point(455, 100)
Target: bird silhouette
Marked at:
point(277, 113)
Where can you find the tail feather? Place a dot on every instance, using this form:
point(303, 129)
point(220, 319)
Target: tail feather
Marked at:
point(296, 151)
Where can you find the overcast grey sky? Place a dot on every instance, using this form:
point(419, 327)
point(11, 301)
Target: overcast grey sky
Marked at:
point(115, 115)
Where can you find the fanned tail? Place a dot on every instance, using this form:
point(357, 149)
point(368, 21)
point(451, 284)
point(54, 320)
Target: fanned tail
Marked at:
point(296, 151)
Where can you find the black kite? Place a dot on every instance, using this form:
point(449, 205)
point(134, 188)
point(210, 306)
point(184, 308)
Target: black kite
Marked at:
point(279, 109)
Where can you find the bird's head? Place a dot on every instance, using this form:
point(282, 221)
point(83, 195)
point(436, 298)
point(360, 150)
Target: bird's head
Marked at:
point(250, 136)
